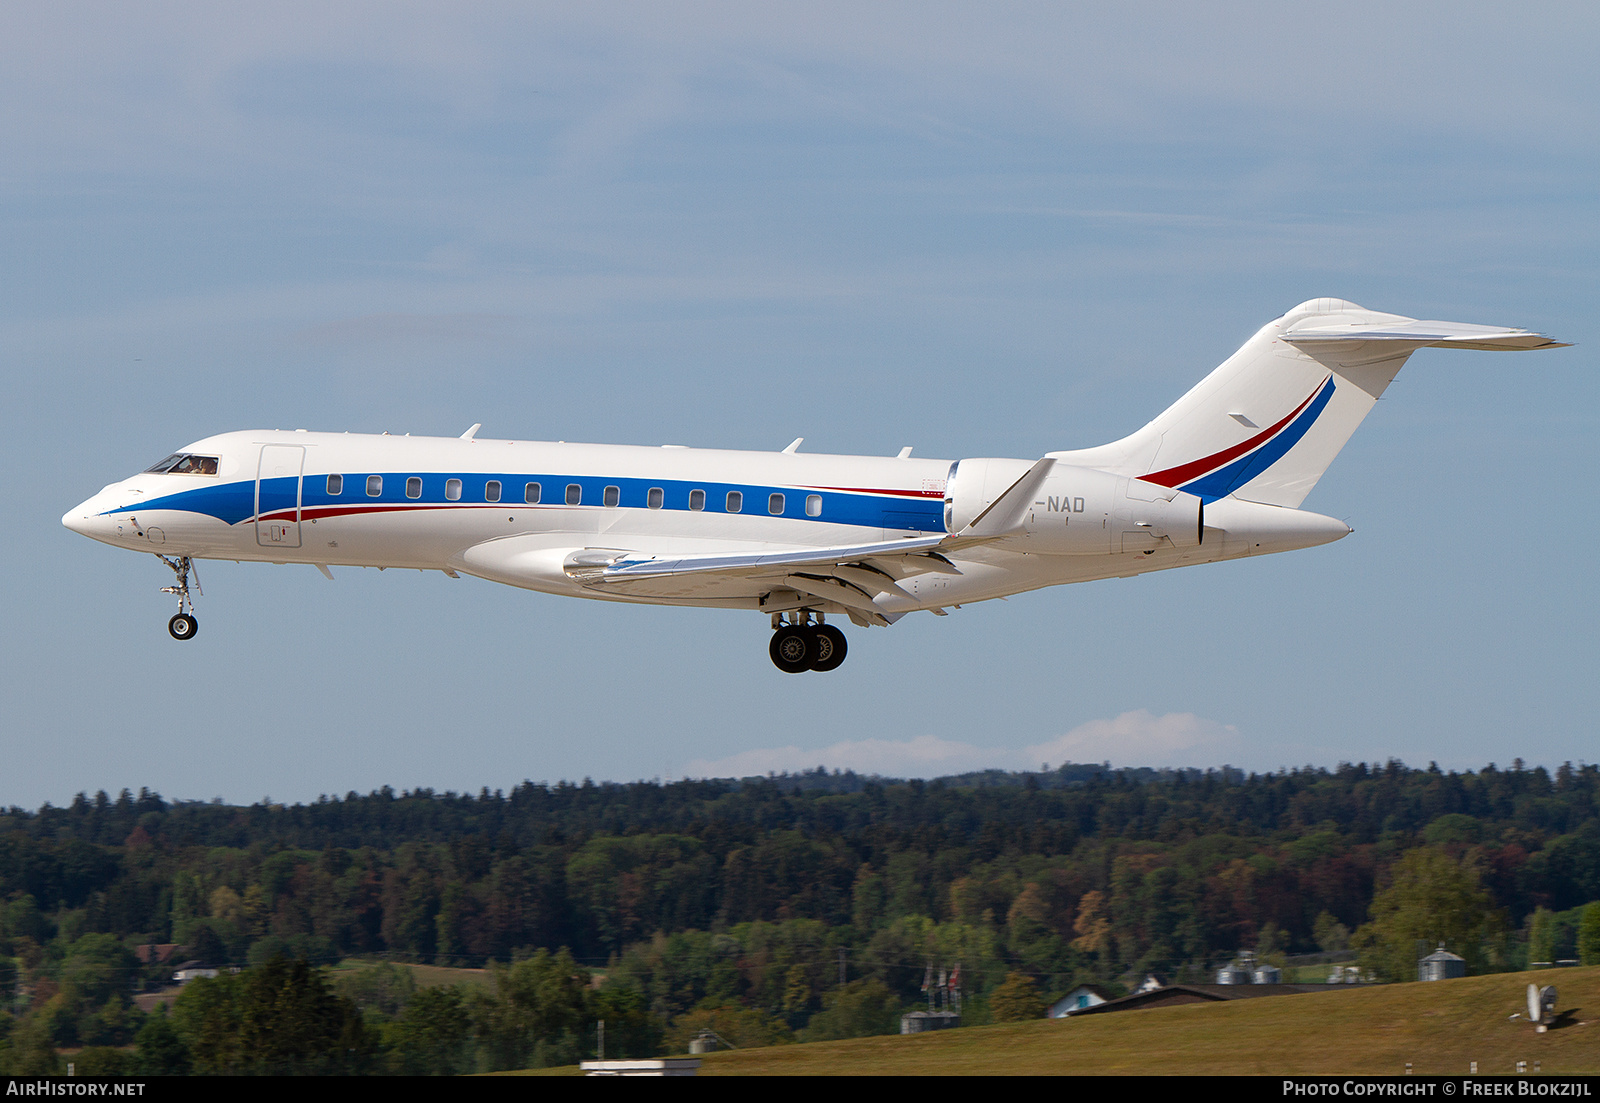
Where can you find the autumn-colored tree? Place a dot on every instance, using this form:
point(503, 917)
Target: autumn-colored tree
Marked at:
point(1016, 999)
point(1093, 925)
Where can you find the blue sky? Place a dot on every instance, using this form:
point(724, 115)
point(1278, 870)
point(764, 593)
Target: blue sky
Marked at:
point(979, 230)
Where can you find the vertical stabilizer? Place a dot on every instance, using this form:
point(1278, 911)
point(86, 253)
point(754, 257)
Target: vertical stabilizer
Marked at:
point(1266, 424)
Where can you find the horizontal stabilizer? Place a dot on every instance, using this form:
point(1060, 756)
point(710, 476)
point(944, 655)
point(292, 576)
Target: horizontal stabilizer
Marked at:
point(1456, 335)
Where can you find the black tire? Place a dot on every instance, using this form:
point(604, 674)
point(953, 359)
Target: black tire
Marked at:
point(790, 650)
point(828, 647)
point(183, 627)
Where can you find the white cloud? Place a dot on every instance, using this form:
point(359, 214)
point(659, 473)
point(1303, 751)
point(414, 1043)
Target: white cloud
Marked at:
point(1136, 738)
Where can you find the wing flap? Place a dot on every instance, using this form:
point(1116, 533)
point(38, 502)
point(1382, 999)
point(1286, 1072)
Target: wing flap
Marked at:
point(606, 568)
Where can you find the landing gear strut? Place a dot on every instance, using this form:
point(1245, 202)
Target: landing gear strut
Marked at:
point(798, 644)
point(183, 626)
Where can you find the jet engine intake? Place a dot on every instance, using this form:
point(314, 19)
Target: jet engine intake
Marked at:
point(1070, 511)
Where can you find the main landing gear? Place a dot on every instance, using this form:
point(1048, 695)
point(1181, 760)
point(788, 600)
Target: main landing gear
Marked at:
point(183, 626)
point(797, 644)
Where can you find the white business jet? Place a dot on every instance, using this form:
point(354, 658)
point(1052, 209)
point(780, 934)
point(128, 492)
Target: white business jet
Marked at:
point(799, 537)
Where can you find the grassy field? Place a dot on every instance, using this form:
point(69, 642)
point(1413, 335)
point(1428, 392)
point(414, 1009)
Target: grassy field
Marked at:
point(1441, 1028)
point(426, 976)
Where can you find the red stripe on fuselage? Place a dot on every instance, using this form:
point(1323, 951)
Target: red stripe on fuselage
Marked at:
point(317, 513)
point(879, 490)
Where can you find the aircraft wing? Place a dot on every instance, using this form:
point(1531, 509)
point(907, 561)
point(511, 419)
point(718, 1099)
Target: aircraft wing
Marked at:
point(1455, 335)
point(849, 576)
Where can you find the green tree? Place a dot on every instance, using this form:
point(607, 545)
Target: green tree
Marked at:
point(290, 1022)
point(162, 1051)
point(1016, 1000)
point(1542, 937)
point(1432, 899)
point(631, 1031)
point(533, 1016)
point(1589, 935)
point(384, 988)
point(30, 1052)
point(744, 1027)
point(859, 1009)
point(275, 1018)
point(101, 1061)
point(796, 990)
point(434, 1034)
point(206, 1016)
point(1330, 934)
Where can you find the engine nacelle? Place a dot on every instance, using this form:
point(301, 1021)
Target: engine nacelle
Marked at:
point(1073, 511)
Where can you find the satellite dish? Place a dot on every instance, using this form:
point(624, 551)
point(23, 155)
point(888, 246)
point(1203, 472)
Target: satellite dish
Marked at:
point(1534, 1003)
point(1547, 1000)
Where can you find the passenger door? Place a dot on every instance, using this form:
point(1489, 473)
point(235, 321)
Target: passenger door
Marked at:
point(278, 495)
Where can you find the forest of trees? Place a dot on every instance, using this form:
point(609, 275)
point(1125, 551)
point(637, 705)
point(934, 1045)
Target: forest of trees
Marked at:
point(664, 909)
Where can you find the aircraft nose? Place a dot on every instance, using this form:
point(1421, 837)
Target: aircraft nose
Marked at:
point(78, 518)
point(87, 517)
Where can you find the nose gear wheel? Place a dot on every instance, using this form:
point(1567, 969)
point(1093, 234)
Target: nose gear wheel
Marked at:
point(183, 626)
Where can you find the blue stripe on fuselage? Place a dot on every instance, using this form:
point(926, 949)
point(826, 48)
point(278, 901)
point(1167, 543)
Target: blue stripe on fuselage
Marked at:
point(235, 502)
point(227, 502)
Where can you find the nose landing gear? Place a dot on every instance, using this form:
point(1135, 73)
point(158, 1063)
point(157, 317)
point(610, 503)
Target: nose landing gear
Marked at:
point(798, 645)
point(183, 626)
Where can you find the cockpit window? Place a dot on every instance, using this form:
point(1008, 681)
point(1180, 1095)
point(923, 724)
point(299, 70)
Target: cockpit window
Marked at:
point(181, 463)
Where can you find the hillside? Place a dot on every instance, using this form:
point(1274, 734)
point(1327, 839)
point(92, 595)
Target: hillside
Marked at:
point(1441, 1028)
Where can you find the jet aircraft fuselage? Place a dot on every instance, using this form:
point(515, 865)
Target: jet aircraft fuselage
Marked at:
point(1219, 475)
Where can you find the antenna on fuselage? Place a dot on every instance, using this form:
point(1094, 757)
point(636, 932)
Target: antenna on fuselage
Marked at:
point(472, 432)
point(794, 446)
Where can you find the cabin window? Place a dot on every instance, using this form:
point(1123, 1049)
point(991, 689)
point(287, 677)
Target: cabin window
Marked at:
point(335, 485)
point(530, 494)
point(735, 501)
point(374, 485)
point(656, 498)
point(491, 490)
point(613, 495)
point(414, 487)
point(813, 505)
point(452, 489)
point(574, 494)
point(775, 504)
point(697, 499)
